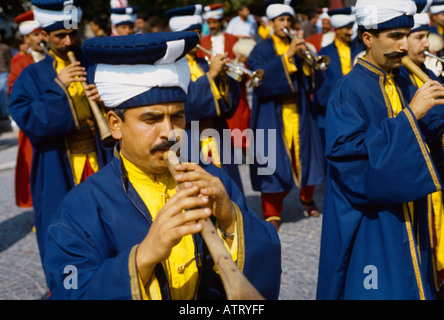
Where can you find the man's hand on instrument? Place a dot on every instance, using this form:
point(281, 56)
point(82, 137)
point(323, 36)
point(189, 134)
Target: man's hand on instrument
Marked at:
point(73, 72)
point(193, 175)
point(296, 46)
point(429, 95)
point(168, 228)
point(92, 92)
point(217, 65)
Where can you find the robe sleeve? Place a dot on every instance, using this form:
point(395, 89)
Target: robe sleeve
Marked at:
point(203, 102)
point(43, 111)
point(377, 162)
point(95, 276)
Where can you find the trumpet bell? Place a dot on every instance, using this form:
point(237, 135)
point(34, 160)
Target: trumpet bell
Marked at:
point(257, 77)
point(322, 63)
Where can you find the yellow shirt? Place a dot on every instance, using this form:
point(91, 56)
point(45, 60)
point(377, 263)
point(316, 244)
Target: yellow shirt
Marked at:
point(344, 56)
point(393, 95)
point(83, 112)
point(290, 115)
point(181, 266)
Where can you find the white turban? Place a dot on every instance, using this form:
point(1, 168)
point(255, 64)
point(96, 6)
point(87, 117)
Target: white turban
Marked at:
point(371, 13)
point(436, 9)
point(70, 15)
point(214, 14)
point(278, 9)
point(116, 18)
point(181, 23)
point(342, 20)
point(29, 26)
point(119, 83)
point(421, 20)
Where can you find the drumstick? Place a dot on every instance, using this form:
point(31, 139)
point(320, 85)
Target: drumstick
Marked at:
point(236, 285)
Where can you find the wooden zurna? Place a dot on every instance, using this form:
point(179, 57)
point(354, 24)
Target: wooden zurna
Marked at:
point(236, 285)
point(413, 68)
point(105, 132)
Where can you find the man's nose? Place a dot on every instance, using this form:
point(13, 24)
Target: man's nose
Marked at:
point(166, 128)
point(403, 44)
point(67, 40)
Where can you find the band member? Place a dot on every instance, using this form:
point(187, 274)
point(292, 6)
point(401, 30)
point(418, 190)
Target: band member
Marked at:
point(375, 241)
point(217, 40)
point(124, 228)
point(410, 82)
point(326, 35)
point(50, 106)
point(437, 17)
point(222, 42)
point(123, 20)
point(212, 98)
point(33, 37)
point(342, 52)
point(281, 105)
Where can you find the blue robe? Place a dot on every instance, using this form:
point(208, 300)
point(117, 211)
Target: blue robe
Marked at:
point(435, 138)
point(101, 221)
point(202, 106)
point(325, 81)
point(266, 118)
point(42, 108)
point(372, 245)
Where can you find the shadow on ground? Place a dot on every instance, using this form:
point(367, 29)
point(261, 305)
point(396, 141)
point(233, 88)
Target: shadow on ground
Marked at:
point(6, 143)
point(15, 228)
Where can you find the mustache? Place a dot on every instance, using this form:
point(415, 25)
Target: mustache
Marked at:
point(165, 145)
point(395, 54)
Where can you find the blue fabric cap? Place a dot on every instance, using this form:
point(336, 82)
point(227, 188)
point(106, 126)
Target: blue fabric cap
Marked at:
point(437, 7)
point(126, 10)
point(141, 48)
point(56, 4)
point(421, 28)
point(421, 5)
point(55, 26)
point(403, 21)
point(195, 9)
point(155, 96)
point(346, 10)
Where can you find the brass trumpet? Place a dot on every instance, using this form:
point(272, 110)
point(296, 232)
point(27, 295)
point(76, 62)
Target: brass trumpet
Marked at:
point(312, 58)
point(236, 71)
point(433, 56)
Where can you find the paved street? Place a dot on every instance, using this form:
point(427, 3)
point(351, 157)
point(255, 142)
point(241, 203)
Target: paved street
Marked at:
point(21, 275)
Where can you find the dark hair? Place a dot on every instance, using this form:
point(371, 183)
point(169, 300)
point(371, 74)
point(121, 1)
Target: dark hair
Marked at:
point(153, 21)
point(120, 112)
point(241, 7)
point(143, 16)
point(100, 22)
point(374, 32)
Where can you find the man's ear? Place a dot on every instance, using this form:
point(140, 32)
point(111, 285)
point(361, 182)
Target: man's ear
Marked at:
point(115, 124)
point(367, 39)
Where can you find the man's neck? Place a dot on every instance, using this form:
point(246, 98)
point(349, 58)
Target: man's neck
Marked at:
point(59, 55)
point(347, 43)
